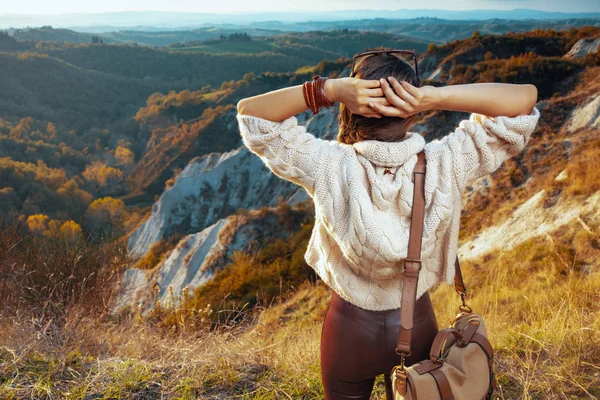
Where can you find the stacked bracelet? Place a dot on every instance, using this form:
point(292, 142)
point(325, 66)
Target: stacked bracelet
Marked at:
point(314, 94)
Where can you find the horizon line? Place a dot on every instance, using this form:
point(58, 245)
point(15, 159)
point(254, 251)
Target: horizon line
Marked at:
point(294, 11)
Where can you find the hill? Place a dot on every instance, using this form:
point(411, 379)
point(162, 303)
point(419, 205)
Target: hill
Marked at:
point(88, 94)
point(149, 38)
point(49, 34)
point(431, 29)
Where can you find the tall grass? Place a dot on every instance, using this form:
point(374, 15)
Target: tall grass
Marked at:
point(541, 306)
point(540, 302)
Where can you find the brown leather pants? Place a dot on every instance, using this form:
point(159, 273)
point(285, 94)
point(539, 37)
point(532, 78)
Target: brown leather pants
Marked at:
point(358, 344)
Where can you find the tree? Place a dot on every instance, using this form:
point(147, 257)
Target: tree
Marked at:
point(71, 231)
point(105, 216)
point(124, 156)
point(37, 223)
point(104, 179)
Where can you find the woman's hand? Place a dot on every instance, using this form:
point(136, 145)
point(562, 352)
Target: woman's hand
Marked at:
point(404, 99)
point(356, 94)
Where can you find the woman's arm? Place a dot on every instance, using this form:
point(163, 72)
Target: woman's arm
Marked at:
point(278, 105)
point(269, 129)
point(490, 99)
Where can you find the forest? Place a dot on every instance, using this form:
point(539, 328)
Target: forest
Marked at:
point(89, 121)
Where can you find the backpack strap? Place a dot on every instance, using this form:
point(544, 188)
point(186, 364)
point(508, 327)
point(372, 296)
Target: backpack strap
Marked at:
point(412, 264)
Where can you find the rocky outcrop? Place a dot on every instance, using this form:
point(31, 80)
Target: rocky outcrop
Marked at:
point(530, 220)
point(583, 47)
point(586, 115)
point(197, 256)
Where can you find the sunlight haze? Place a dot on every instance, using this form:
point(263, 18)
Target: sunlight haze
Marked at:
point(72, 6)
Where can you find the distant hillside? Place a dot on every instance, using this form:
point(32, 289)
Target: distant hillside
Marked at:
point(67, 125)
point(534, 57)
point(336, 43)
point(437, 30)
point(149, 38)
point(430, 29)
point(112, 81)
point(47, 33)
point(48, 88)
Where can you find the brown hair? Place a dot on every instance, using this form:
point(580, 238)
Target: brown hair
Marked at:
point(354, 127)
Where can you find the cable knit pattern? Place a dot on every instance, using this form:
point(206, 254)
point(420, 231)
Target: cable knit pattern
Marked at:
point(362, 215)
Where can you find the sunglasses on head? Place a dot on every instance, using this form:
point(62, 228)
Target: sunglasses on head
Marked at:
point(361, 56)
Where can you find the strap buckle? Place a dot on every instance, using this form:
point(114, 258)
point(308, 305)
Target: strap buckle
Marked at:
point(412, 274)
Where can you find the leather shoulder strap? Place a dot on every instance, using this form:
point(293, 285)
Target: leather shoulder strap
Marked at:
point(412, 264)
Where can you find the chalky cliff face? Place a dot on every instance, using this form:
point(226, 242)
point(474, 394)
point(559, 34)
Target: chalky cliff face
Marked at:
point(202, 205)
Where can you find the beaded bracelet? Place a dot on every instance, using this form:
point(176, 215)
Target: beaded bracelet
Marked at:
point(314, 94)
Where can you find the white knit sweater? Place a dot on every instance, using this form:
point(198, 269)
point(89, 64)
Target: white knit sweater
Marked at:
point(362, 216)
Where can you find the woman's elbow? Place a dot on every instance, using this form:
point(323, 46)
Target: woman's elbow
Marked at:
point(240, 106)
point(532, 97)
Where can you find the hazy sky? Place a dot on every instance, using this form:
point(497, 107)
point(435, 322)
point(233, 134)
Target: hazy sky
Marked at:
point(220, 6)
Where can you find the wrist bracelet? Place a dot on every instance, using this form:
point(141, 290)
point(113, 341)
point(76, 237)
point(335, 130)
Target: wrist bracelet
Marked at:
point(307, 91)
point(314, 94)
point(326, 102)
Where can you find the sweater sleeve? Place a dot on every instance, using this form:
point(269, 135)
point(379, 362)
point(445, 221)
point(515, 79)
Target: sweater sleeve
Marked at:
point(286, 148)
point(480, 144)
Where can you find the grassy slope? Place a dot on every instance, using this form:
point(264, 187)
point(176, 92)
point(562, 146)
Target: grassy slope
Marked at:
point(230, 47)
point(36, 80)
point(543, 332)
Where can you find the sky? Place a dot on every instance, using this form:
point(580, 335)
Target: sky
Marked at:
point(226, 6)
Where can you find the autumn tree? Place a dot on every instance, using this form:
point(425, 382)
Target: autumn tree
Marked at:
point(37, 223)
point(104, 217)
point(71, 231)
point(104, 179)
point(124, 157)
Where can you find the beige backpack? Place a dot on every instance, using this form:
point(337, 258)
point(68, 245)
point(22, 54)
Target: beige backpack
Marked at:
point(460, 364)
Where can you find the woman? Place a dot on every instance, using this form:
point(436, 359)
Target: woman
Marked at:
point(362, 190)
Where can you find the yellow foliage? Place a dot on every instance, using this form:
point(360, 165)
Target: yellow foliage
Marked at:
point(107, 207)
point(71, 231)
point(53, 228)
point(105, 217)
point(102, 175)
point(37, 223)
point(124, 156)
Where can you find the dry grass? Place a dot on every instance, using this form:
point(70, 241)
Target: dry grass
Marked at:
point(132, 358)
point(541, 307)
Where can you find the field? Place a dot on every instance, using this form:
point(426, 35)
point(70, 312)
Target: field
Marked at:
point(223, 46)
